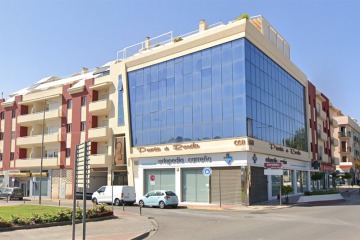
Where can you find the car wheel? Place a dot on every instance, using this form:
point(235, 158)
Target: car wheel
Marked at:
point(141, 203)
point(94, 200)
point(175, 206)
point(117, 202)
point(161, 204)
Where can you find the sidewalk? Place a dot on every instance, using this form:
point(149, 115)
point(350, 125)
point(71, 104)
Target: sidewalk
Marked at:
point(125, 225)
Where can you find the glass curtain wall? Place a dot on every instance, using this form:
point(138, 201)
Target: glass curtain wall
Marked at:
point(230, 90)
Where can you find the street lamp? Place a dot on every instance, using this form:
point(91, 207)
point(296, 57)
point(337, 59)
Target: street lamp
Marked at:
point(42, 150)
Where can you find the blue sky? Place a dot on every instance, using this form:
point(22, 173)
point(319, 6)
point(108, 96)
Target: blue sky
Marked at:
point(41, 38)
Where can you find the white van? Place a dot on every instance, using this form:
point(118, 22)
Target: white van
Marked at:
point(121, 194)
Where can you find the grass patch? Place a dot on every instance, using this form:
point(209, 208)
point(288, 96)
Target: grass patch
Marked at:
point(322, 192)
point(26, 211)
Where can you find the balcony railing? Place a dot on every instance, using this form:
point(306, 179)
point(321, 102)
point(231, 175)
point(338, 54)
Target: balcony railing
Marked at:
point(29, 119)
point(100, 160)
point(36, 140)
point(334, 141)
point(101, 107)
point(30, 163)
point(344, 134)
point(100, 134)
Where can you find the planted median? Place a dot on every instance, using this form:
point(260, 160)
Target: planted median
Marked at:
point(28, 215)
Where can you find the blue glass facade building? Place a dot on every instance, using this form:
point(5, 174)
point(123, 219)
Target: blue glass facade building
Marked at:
point(229, 90)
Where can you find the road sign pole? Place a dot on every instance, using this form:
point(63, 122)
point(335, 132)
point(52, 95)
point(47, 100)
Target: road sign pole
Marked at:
point(75, 179)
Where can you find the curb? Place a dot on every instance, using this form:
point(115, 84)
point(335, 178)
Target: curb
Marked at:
point(147, 234)
point(54, 224)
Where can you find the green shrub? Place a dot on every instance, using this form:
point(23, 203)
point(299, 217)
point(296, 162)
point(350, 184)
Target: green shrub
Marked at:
point(5, 223)
point(323, 192)
point(244, 15)
point(64, 215)
point(177, 39)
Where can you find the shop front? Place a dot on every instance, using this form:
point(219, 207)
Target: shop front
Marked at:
point(226, 184)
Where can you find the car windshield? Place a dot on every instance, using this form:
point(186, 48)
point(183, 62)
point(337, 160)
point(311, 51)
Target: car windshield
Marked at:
point(170, 193)
point(7, 190)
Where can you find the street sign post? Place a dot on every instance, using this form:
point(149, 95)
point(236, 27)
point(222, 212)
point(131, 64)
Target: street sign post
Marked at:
point(81, 177)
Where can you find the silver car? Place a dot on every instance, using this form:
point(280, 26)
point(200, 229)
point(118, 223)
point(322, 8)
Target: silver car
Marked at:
point(159, 198)
point(11, 193)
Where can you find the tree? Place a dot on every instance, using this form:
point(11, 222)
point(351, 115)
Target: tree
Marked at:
point(317, 176)
point(286, 190)
point(298, 141)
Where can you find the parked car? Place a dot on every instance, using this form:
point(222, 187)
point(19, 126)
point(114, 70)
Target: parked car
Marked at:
point(120, 195)
point(159, 198)
point(11, 193)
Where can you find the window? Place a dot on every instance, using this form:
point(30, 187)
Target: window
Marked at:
point(2, 115)
point(1, 156)
point(69, 104)
point(68, 127)
point(1, 136)
point(13, 135)
point(83, 101)
point(68, 152)
point(12, 156)
point(13, 113)
point(83, 126)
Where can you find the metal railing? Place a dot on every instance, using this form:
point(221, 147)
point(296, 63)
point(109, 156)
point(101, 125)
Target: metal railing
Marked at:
point(157, 41)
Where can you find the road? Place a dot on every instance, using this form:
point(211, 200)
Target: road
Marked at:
point(332, 221)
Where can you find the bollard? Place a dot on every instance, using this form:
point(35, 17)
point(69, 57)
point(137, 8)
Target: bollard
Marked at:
point(7, 199)
point(77, 203)
point(24, 201)
point(123, 207)
point(140, 210)
point(59, 202)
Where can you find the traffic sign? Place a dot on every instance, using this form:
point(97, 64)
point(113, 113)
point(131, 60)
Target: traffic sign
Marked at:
point(206, 171)
point(152, 179)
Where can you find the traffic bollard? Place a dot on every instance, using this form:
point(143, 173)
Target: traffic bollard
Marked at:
point(123, 207)
point(140, 210)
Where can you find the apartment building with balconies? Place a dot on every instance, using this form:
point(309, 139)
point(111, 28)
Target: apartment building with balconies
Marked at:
point(46, 122)
point(348, 151)
point(321, 128)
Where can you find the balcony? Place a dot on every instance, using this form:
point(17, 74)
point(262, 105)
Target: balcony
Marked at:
point(344, 134)
point(345, 149)
point(322, 135)
point(100, 160)
point(37, 118)
point(34, 163)
point(36, 140)
point(320, 113)
point(333, 123)
point(100, 134)
point(336, 160)
point(101, 107)
point(335, 141)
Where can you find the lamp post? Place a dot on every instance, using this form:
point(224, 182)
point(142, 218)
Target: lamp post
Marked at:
point(42, 150)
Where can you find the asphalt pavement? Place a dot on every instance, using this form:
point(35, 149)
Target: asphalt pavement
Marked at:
point(124, 225)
